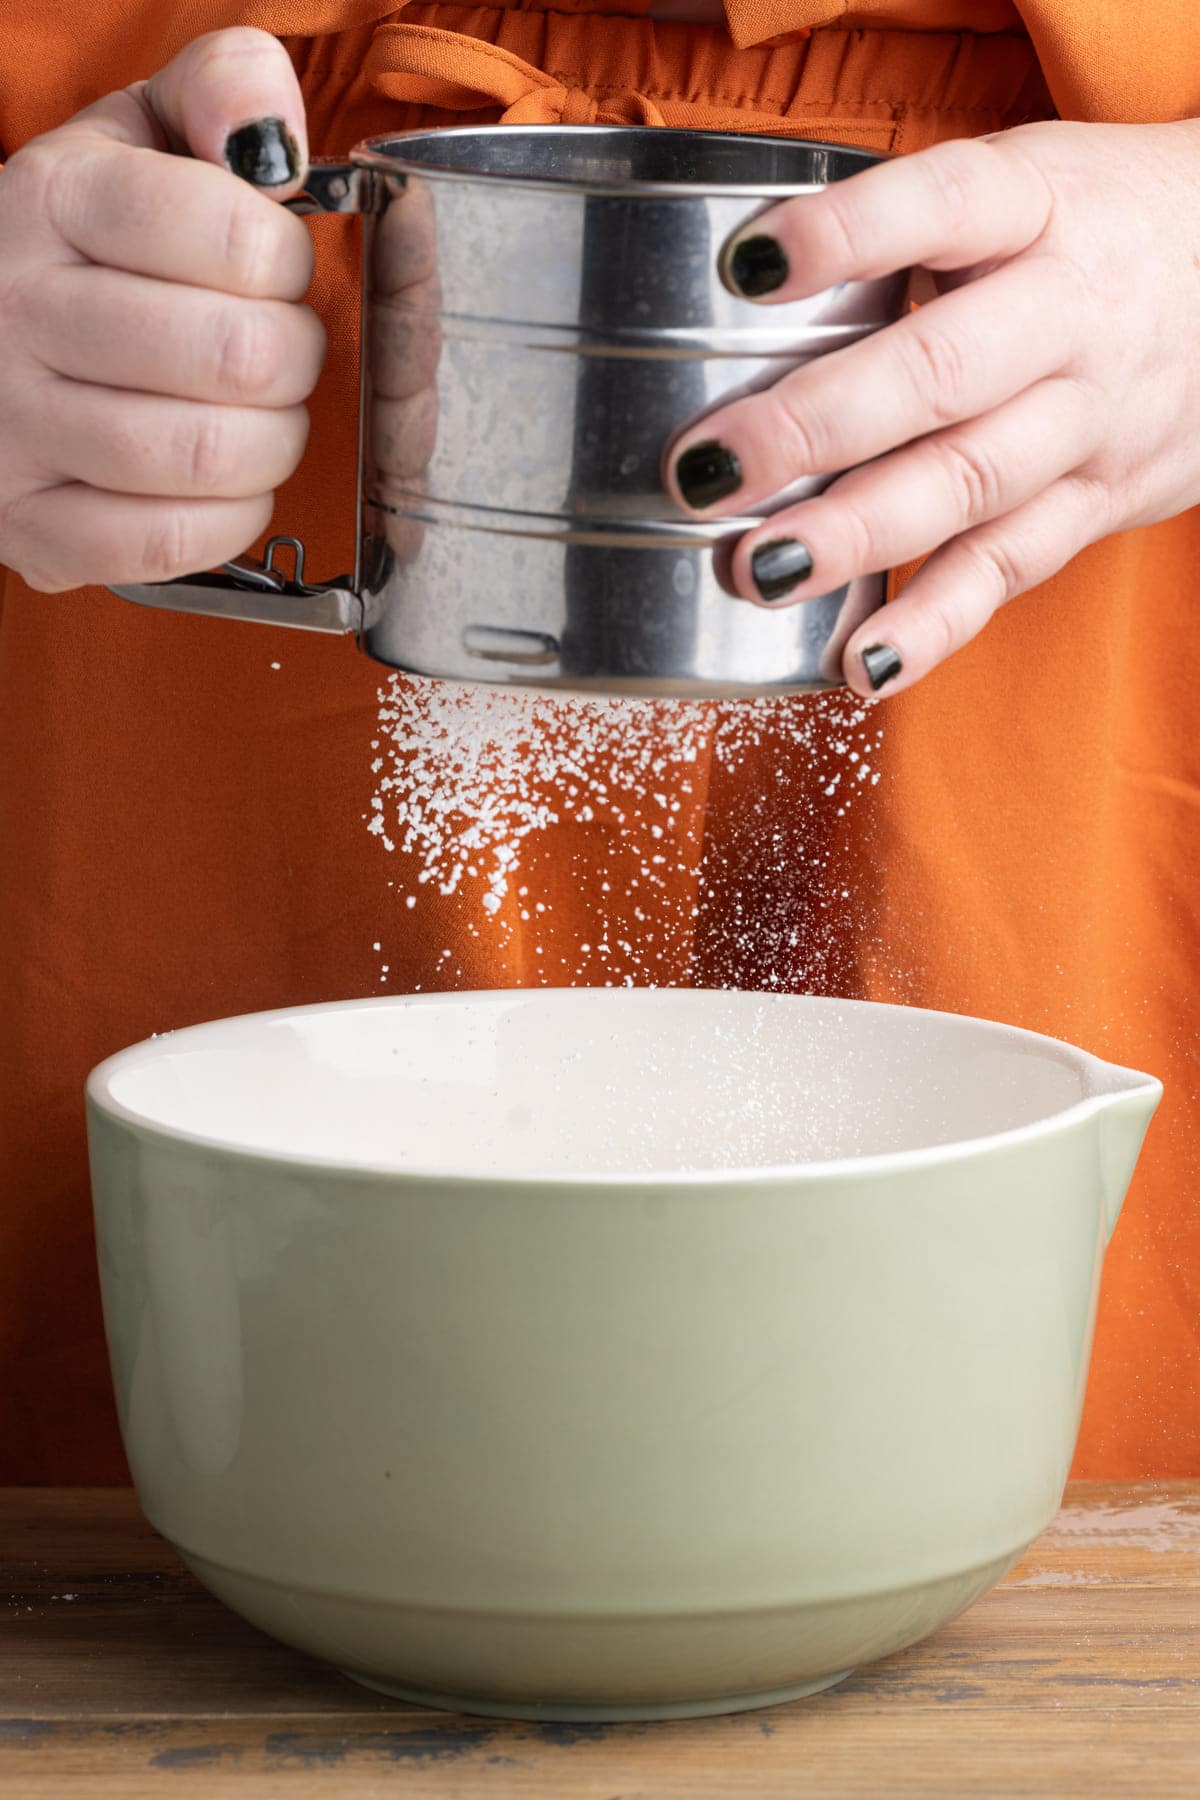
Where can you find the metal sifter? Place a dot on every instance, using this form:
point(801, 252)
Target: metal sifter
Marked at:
point(542, 312)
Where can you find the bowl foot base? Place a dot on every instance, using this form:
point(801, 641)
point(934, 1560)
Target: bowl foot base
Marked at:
point(579, 1712)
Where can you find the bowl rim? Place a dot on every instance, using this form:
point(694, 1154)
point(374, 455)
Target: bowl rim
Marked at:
point(1111, 1083)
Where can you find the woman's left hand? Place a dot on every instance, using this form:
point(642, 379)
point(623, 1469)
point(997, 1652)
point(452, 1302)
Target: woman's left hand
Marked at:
point(1049, 394)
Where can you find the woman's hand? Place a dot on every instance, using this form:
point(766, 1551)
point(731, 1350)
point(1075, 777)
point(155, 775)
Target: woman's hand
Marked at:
point(155, 355)
point(1048, 396)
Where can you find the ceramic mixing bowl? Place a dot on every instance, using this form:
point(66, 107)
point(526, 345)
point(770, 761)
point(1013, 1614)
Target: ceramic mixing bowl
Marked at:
point(604, 1354)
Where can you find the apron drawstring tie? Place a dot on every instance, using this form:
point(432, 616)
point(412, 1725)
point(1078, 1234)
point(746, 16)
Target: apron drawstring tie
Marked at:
point(464, 74)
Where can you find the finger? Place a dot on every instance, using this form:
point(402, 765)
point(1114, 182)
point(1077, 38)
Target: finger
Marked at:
point(959, 203)
point(180, 219)
point(404, 250)
point(404, 331)
point(905, 505)
point(128, 331)
point(204, 101)
point(404, 348)
point(172, 218)
point(75, 536)
point(961, 355)
point(951, 599)
point(134, 443)
point(403, 434)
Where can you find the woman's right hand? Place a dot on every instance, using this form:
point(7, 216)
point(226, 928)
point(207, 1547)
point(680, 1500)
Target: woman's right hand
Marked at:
point(156, 352)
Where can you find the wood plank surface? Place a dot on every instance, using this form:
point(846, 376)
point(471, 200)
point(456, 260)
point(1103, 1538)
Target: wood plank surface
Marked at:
point(1078, 1676)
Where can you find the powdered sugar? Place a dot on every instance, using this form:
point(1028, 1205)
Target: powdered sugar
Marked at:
point(470, 784)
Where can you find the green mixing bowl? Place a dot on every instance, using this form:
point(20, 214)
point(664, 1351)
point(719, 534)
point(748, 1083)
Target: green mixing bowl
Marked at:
point(604, 1354)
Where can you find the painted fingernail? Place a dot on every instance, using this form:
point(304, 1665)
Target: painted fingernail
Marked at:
point(707, 473)
point(779, 566)
point(264, 153)
point(882, 664)
point(757, 265)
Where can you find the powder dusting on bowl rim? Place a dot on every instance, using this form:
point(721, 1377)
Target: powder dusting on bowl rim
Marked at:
point(762, 1175)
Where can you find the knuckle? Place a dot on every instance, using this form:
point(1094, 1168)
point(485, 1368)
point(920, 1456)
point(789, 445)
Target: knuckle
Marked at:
point(861, 533)
point(997, 564)
point(43, 562)
point(236, 43)
point(249, 243)
point(169, 547)
point(207, 452)
point(249, 361)
point(1069, 286)
point(800, 443)
point(844, 229)
point(49, 575)
point(32, 174)
point(975, 483)
point(941, 628)
point(952, 171)
point(1097, 504)
point(54, 181)
point(938, 368)
point(9, 511)
point(22, 302)
point(42, 578)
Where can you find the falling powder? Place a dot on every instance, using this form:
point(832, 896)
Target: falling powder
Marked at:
point(470, 782)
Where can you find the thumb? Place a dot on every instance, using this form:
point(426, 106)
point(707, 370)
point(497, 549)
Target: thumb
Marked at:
point(230, 98)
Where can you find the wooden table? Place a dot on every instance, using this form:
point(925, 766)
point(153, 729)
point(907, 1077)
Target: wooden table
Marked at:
point(1080, 1675)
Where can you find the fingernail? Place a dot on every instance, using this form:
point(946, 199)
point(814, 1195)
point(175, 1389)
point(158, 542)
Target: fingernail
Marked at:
point(882, 664)
point(757, 265)
point(780, 566)
point(264, 153)
point(707, 473)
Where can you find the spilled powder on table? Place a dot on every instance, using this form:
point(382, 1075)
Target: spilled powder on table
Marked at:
point(1162, 1527)
point(1158, 1525)
point(470, 785)
point(1060, 1578)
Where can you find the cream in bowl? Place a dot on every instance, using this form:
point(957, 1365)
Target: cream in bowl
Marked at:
point(604, 1354)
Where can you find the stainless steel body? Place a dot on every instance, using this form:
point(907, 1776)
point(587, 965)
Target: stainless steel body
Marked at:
point(543, 311)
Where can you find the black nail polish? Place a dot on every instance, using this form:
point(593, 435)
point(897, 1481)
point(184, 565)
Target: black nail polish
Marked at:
point(758, 265)
point(264, 153)
point(780, 566)
point(882, 664)
point(707, 473)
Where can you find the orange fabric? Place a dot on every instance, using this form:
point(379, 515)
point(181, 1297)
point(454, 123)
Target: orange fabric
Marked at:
point(750, 21)
point(432, 67)
point(1106, 60)
point(847, 84)
point(181, 826)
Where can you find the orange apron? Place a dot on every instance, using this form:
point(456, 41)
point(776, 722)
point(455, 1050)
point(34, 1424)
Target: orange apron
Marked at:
point(181, 821)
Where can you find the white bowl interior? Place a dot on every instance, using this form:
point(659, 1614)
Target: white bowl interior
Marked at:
point(595, 1082)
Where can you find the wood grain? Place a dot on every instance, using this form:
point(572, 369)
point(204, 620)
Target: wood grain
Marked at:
point(1078, 1676)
